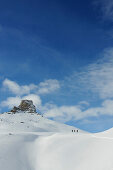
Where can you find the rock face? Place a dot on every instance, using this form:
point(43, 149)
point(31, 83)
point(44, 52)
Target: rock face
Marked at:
point(25, 106)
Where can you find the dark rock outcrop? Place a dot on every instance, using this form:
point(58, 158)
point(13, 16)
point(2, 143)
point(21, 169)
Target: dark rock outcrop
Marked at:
point(25, 106)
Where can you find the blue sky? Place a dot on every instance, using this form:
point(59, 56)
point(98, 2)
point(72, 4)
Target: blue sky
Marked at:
point(59, 54)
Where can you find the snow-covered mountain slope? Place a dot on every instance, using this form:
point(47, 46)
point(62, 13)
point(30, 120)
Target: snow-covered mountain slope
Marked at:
point(32, 142)
point(30, 122)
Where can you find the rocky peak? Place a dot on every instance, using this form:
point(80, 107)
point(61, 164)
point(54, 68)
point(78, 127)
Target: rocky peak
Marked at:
point(25, 106)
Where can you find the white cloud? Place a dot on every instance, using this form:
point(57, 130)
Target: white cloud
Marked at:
point(16, 88)
point(35, 98)
point(105, 109)
point(10, 102)
point(67, 113)
point(63, 113)
point(84, 103)
point(48, 86)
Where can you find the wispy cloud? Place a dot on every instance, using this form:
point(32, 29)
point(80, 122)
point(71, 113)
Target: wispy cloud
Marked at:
point(106, 8)
point(48, 86)
point(96, 78)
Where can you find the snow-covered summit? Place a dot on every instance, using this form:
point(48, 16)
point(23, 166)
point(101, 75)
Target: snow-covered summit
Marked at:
point(25, 119)
point(31, 122)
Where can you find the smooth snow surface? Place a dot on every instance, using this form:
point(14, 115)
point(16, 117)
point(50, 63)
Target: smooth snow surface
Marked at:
point(44, 148)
